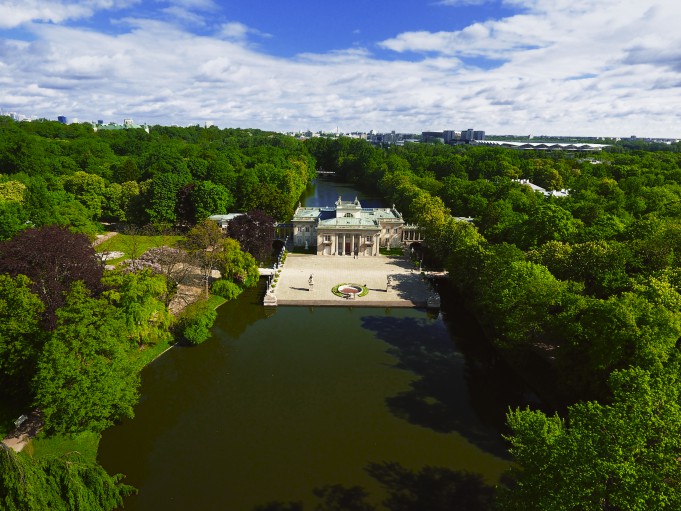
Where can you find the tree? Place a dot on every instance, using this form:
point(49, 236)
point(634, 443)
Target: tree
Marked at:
point(226, 289)
point(254, 232)
point(53, 258)
point(12, 191)
point(139, 296)
point(204, 241)
point(21, 337)
point(66, 483)
point(173, 263)
point(85, 378)
point(162, 198)
point(89, 190)
point(518, 297)
point(620, 456)
point(547, 222)
point(210, 199)
point(236, 265)
point(196, 321)
point(622, 331)
point(117, 198)
point(127, 171)
point(13, 218)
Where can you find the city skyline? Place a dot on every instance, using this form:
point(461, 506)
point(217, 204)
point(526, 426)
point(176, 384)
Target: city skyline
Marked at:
point(607, 68)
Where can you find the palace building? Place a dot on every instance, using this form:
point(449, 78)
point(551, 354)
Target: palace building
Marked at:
point(346, 228)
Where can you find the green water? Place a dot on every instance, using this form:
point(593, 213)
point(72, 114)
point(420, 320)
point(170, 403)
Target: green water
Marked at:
point(272, 407)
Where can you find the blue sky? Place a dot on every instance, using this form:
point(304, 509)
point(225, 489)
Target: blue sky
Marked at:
point(598, 67)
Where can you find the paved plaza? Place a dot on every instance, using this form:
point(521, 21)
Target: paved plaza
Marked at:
point(408, 288)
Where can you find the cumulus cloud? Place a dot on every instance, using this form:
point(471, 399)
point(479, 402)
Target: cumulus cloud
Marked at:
point(14, 13)
point(238, 31)
point(561, 67)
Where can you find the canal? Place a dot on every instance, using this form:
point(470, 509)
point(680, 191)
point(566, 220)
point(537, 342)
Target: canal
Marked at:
point(280, 402)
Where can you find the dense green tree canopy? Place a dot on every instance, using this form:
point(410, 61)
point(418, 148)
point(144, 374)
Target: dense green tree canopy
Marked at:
point(620, 456)
point(21, 338)
point(225, 169)
point(66, 483)
point(85, 379)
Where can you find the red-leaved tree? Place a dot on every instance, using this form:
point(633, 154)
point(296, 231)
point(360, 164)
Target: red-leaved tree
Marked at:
point(255, 232)
point(53, 258)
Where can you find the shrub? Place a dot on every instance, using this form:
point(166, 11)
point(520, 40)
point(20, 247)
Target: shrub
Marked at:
point(196, 322)
point(225, 288)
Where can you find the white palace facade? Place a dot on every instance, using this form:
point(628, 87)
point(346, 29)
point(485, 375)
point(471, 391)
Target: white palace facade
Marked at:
point(346, 228)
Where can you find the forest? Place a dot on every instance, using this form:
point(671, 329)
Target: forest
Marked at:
point(580, 294)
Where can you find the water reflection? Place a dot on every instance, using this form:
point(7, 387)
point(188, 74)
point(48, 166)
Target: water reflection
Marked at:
point(427, 489)
point(438, 398)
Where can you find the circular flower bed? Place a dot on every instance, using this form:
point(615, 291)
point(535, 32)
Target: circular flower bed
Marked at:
point(350, 289)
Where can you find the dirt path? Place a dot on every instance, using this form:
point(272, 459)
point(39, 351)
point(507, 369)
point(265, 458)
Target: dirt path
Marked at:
point(18, 438)
point(101, 238)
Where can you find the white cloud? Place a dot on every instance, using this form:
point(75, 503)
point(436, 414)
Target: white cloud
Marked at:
point(14, 13)
point(184, 16)
point(189, 5)
point(592, 69)
point(238, 31)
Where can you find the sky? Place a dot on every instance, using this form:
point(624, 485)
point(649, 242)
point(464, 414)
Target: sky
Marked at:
point(540, 67)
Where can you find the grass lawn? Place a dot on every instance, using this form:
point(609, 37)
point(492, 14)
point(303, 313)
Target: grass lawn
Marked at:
point(135, 245)
point(150, 353)
point(215, 301)
point(391, 252)
point(86, 443)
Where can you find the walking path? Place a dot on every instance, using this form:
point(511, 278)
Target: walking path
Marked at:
point(408, 288)
point(22, 434)
point(101, 238)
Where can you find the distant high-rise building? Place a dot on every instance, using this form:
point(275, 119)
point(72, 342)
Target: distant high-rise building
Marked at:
point(467, 135)
point(478, 135)
point(448, 135)
point(431, 136)
point(63, 119)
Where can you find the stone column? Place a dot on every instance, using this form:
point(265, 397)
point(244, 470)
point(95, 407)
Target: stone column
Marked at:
point(343, 250)
point(352, 244)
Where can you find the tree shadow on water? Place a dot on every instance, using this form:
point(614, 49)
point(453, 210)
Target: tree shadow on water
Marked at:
point(439, 398)
point(427, 489)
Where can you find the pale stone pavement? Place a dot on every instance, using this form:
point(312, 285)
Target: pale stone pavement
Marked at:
point(408, 288)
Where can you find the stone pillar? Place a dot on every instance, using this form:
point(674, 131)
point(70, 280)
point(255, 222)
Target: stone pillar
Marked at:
point(343, 249)
point(352, 244)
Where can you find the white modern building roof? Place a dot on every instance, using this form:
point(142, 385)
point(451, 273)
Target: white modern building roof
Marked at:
point(543, 146)
point(546, 193)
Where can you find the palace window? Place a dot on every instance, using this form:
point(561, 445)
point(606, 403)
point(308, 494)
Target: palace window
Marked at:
point(348, 215)
point(369, 239)
point(327, 237)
